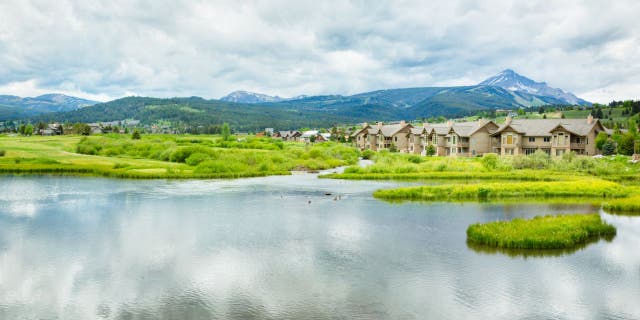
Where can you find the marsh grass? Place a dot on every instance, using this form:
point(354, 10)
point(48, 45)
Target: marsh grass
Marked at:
point(541, 232)
point(539, 166)
point(629, 205)
point(586, 188)
point(160, 156)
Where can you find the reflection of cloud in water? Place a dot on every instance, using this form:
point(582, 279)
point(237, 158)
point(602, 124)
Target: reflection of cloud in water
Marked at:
point(249, 254)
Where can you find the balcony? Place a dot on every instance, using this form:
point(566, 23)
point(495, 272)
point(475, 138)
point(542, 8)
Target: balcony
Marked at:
point(575, 145)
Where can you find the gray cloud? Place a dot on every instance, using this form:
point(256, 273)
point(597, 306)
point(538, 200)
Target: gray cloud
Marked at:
point(165, 48)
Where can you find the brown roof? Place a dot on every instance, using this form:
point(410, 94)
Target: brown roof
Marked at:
point(388, 130)
point(544, 127)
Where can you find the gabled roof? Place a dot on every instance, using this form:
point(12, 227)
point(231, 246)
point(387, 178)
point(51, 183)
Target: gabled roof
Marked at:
point(544, 127)
point(386, 130)
point(288, 133)
point(438, 128)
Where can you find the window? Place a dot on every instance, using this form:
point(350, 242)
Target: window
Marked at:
point(395, 139)
point(453, 150)
point(509, 139)
point(434, 139)
point(529, 151)
point(532, 139)
point(359, 138)
point(547, 139)
point(559, 152)
point(453, 138)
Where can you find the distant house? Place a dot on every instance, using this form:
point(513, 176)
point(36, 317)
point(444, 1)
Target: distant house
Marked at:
point(52, 129)
point(317, 136)
point(268, 131)
point(288, 135)
point(96, 128)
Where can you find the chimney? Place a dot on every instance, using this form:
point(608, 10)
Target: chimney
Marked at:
point(402, 123)
point(590, 119)
point(449, 123)
point(425, 124)
point(482, 122)
point(507, 120)
point(364, 125)
point(379, 124)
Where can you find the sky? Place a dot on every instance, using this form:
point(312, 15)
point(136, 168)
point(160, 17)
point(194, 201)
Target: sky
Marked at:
point(104, 50)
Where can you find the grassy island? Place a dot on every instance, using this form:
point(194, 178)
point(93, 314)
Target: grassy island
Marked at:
point(548, 232)
point(167, 156)
point(626, 205)
point(584, 188)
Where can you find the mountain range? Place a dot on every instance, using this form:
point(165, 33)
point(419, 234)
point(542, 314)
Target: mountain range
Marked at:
point(14, 107)
point(252, 111)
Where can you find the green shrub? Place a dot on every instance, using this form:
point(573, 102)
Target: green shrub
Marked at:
point(135, 135)
point(490, 161)
point(2, 152)
point(368, 154)
point(415, 159)
point(196, 158)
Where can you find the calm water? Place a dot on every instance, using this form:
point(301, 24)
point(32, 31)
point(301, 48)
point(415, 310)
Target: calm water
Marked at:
point(279, 248)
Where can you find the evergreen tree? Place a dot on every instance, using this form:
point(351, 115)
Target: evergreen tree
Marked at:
point(225, 131)
point(135, 135)
point(609, 147)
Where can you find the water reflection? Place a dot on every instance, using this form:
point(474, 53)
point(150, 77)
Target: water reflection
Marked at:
point(257, 249)
point(535, 253)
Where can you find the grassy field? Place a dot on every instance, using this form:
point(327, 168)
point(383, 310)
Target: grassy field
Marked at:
point(584, 188)
point(163, 156)
point(548, 232)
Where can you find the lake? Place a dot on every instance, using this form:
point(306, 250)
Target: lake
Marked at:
point(283, 248)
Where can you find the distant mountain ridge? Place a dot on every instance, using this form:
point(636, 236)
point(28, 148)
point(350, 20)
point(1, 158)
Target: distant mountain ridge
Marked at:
point(512, 81)
point(241, 96)
point(16, 107)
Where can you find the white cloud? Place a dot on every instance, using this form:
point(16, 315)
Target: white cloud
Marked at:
point(166, 48)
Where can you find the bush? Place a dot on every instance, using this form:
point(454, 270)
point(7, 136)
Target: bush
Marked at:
point(609, 147)
point(490, 161)
point(2, 153)
point(135, 135)
point(196, 158)
point(431, 150)
point(368, 154)
point(415, 159)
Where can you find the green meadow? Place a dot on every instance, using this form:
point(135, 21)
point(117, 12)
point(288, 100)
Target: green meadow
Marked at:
point(166, 156)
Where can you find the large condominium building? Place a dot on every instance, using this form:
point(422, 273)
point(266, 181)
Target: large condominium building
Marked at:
point(515, 136)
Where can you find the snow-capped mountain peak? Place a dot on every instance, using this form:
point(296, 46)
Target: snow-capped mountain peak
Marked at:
point(242, 96)
point(512, 81)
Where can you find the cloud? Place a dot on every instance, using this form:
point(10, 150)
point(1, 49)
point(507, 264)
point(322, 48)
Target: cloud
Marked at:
point(286, 48)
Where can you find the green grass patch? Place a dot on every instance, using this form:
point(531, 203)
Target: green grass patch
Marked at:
point(625, 205)
point(167, 156)
point(548, 232)
point(535, 167)
point(586, 188)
